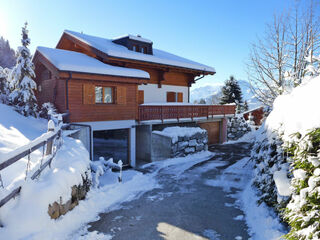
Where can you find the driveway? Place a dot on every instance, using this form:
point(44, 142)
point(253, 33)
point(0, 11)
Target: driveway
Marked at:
point(185, 207)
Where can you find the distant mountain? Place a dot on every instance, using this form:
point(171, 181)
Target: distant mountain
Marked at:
point(212, 94)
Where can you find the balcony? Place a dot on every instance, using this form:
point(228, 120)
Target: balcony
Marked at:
point(179, 112)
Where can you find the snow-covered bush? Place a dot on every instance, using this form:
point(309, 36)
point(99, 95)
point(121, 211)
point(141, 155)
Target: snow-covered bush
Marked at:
point(47, 108)
point(237, 127)
point(269, 157)
point(22, 86)
point(288, 146)
point(303, 210)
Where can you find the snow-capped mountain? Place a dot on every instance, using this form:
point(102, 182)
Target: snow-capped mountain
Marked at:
point(212, 94)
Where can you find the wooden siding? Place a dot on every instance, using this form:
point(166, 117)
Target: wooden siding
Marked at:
point(213, 130)
point(140, 97)
point(257, 114)
point(124, 110)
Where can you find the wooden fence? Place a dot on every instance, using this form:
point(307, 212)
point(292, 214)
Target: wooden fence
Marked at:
point(49, 150)
point(162, 112)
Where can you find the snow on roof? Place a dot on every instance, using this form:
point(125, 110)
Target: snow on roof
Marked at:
point(133, 37)
point(78, 62)
point(251, 110)
point(115, 50)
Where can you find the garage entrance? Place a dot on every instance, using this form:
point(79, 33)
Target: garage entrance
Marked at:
point(213, 129)
point(112, 144)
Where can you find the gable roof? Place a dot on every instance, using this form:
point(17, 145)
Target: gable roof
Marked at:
point(65, 60)
point(118, 51)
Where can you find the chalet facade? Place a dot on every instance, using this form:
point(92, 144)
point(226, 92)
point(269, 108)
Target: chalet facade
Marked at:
point(123, 88)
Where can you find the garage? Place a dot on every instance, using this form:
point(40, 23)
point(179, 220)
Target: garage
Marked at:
point(112, 144)
point(213, 129)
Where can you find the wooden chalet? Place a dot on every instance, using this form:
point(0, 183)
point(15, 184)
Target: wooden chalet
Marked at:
point(119, 86)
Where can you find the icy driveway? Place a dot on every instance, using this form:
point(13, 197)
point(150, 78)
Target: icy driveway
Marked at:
point(186, 207)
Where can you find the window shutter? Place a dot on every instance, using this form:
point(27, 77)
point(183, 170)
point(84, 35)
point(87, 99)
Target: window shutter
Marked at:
point(121, 95)
point(171, 96)
point(88, 94)
point(180, 97)
point(140, 97)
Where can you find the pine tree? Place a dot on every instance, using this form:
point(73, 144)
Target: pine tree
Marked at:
point(21, 83)
point(231, 93)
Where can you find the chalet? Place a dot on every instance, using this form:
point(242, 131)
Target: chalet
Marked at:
point(123, 88)
point(257, 114)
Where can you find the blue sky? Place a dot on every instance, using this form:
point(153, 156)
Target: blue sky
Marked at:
point(216, 33)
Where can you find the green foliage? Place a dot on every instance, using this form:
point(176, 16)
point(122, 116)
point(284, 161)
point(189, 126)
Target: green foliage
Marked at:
point(303, 211)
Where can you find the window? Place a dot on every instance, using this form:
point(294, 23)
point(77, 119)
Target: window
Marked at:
point(135, 48)
point(103, 94)
point(174, 97)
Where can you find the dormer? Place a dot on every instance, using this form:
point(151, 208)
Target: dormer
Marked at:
point(135, 43)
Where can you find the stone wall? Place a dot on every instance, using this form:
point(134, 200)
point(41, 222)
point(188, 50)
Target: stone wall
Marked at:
point(78, 193)
point(164, 146)
point(186, 145)
point(237, 127)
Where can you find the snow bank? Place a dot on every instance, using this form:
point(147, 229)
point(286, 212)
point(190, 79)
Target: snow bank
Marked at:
point(29, 213)
point(297, 111)
point(176, 132)
point(15, 132)
point(282, 182)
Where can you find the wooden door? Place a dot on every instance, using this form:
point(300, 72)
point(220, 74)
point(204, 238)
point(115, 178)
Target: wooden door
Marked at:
point(213, 129)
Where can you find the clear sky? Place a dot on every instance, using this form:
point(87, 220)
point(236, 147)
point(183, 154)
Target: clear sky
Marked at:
point(212, 32)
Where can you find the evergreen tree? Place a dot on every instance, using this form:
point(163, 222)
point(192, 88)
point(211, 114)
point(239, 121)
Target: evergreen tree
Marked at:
point(7, 55)
point(245, 106)
point(4, 85)
point(21, 83)
point(202, 101)
point(231, 93)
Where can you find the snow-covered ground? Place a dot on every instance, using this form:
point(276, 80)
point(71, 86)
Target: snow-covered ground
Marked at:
point(261, 220)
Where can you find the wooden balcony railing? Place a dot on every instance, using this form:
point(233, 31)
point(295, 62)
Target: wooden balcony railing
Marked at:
point(162, 112)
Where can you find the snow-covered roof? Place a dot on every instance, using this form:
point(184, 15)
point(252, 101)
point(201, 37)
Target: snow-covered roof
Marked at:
point(133, 37)
point(112, 49)
point(65, 60)
point(251, 110)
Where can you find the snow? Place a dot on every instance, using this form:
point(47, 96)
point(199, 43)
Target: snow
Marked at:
point(260, 219)
point(171, 104)
point(133, 37)
point(296, 111)
point(115, 50)
point(72, 61)
point(175, 132)
point(282, 183)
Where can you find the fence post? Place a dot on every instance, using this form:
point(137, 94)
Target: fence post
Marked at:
point(50, 142)
point(161, 107)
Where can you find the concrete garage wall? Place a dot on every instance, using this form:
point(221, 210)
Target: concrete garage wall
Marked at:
point(161, 147)
point(143, 143)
